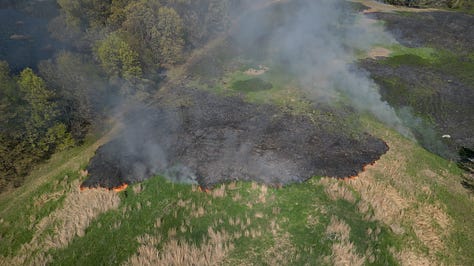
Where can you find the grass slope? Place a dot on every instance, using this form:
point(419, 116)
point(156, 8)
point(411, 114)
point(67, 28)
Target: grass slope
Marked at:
point(409, 208)
point(410, 205)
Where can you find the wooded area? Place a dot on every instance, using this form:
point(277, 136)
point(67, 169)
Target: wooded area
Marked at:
point(115, 49)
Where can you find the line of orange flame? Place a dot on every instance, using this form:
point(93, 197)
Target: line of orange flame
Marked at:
point(364, 168)
point(115, 189)
point(205, 190)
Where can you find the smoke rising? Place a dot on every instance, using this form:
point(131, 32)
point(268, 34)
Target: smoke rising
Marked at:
point(319, 41)
point(211, 139)
point(316, 41)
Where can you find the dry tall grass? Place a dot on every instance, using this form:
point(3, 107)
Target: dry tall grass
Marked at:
point(392, 196)
point(385, 201)
point(337, 190)
point(412, 258)
point(262, 197)
point(219, 192)
point(343, 251)
point(79, 209)
point(211, 252)
point(283, 251)
point(431, 226)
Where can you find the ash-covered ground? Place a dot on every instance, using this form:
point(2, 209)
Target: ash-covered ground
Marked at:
point(443, 29)
point(190, 135)
point(439, 90)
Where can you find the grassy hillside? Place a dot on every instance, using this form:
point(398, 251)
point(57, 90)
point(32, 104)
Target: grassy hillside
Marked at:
point(409, 208)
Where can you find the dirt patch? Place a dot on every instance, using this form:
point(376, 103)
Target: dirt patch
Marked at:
point(191, 135)
point(377, 52)
point(260, 70)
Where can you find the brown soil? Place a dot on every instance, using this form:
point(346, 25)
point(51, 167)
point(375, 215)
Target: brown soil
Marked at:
point(377, 52)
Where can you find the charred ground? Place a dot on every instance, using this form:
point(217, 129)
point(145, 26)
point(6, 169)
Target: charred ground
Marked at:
point(192, 135)
point(438, 85)
point(443, 29)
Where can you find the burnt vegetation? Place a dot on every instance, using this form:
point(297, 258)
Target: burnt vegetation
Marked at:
point(212, 139)
point(438, 88)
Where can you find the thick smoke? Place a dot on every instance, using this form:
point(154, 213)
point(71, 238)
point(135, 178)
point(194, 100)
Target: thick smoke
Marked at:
point(319, 42)
point(316, 41)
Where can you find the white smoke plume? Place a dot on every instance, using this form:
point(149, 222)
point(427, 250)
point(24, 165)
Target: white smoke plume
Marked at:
point(319, 41)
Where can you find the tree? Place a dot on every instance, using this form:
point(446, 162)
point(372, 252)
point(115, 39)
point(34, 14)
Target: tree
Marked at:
point(167, 36)
point(80, 86)
point(8, 95)
point(86, 13)
point(39, 109)
point(117, 58)
point(29, 130)
point(217, 16)
point(155, 31)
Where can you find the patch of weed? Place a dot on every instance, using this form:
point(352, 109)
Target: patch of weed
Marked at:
point(251, 85)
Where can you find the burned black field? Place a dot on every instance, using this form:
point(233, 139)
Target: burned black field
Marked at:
point(213, 139)
point(438, 89)
point(448, 30)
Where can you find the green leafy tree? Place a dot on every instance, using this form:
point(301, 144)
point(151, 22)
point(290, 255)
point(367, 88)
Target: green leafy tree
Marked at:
point(39, 109)
point(155, 31)
point(167, 36)
point(80, 87)
point(117, 58)
point(29, 126)
point(86, 13)
point(8, 95)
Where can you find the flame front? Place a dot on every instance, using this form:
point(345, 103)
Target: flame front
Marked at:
point(120, 188)
point(364, 168)
point(115, 189)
